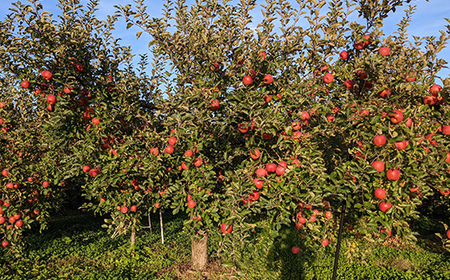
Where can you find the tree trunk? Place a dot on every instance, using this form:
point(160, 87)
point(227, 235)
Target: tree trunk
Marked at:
point(200, 252)
point(133, 235)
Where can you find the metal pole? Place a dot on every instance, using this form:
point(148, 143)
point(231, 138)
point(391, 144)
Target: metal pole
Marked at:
point(338, 247)
point(161, 224)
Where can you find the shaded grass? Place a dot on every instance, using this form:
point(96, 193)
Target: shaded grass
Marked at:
point(76, 247)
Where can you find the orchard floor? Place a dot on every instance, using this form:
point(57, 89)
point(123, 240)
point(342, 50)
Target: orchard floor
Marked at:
point(75, 246)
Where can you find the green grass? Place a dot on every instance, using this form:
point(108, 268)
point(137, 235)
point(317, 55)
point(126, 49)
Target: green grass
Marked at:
point(76, 247)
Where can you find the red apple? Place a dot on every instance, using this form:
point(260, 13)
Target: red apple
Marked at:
point(96, 121)
point(384, 93)
point(25, 84)
point(435, 89)
point(258, 183)
point(124, 209)
point(343, 55)
point(172, 141)
point(263, 54)
point(188, 153)
point(448, 234)
point(393, 174)
point(380, 194)
point(446, 129)
point(271, 168)
point(411, 77)
point(280, 170)
point(154, 151)
point(86, 168)
point(226, 229)
point(261, 172)
point(19, 223)
point(401, 145)
point(51, 99)
point(47, 75)
point(268, 79)
point(408, 122)
point(5, 172)
point(328, 78)
point(396, 116)
point(384, 51)
point(46, 184)
point(349, 84)
point(214, 105)
point(325, 242)
point(2, 220)
point(330, 118)
point(295, 250)
point(242, 128)
point(169, 149)
point(255, 154)
point(378, 165)
point(379, 140)
point(197, 162)
point(254, 196)
point(5, 243)
point(385, 206)
point(305, 116)
point(247, 80)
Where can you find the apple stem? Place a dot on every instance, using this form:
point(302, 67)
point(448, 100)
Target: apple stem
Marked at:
point(162, 228)
point(338, 246)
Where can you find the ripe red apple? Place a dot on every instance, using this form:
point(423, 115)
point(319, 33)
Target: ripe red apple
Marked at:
point(154, 151)
point(359, 46)
point(51, 99)
point(447, 159)
point(271, 168)
point(254, 196)
point(448, 234)
point(380, 194)
point(5, 172)
point(384, 51)
point(197, 162)
point(124, 209)
point(46, 184)
point(349, 84)
point(408, 122)
point(172, 141)
point(379, 140)
point(330, 118)
point(169, 149)
point(188, 153)
point(385, 206)
point(19, 223)
point(268, 79)
point(255, 154)
point(25, 84)
point(411, 77)
point(393, 174)
point(242, 128)
point(343, 55)
point(396, 116)
point(94, 172)
point(215, 66)
point(47, 75)
point(2, 220)
point(261, 172)
point(401, 145)
point(247, 80)
point(280, 170)
point(378, 165)
point(86, 168)
point(325, 242)
point(328, 78)
point(5, 243)
point(214, 105)
point(305, 116)
point(226, 229)
point(435, 89)
point(446, 129)
point(258, 183)
point(263, 54)
point(133, 208)
point(384, 93)
point(295, 250)
point(96, 121)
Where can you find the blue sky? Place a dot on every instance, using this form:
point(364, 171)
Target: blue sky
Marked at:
point(427, 20)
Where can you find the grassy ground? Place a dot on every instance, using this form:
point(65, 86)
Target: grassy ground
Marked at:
point(76, 247)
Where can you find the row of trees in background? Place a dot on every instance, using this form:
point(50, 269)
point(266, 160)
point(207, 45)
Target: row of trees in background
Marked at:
point(246, 129)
